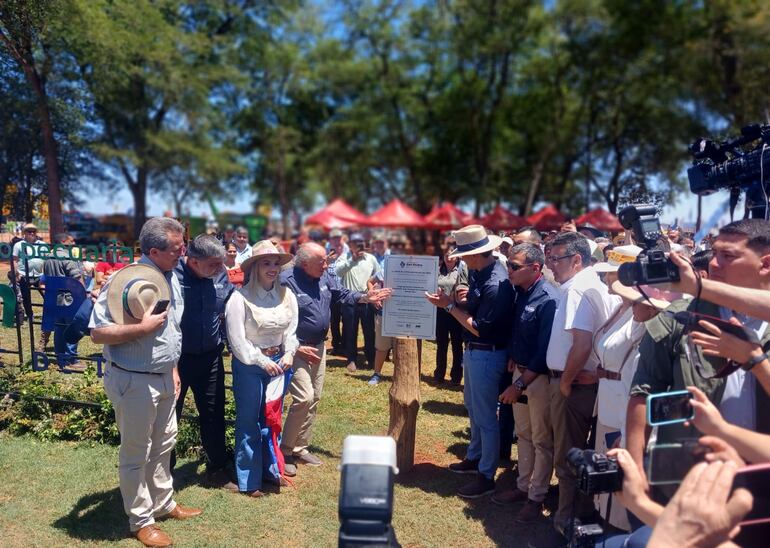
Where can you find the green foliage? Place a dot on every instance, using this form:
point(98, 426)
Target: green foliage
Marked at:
point(28, 413)
point(515, 101)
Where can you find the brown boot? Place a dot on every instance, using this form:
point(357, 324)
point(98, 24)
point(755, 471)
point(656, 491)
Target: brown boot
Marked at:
point(45, 336)
point(182, 512)
point(152, 535)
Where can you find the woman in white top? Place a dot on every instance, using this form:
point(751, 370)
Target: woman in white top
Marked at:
point(261, 320)
point(616, 346)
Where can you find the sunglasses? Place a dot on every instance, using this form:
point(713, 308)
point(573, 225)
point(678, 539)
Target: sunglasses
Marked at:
point(513, 267)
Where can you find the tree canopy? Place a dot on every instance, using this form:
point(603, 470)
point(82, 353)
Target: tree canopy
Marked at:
point(575, 102)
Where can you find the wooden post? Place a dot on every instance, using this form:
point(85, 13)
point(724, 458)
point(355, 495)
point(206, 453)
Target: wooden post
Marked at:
point(404, 401)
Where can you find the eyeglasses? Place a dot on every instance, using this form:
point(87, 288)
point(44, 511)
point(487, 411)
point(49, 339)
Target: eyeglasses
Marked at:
point(554, 259)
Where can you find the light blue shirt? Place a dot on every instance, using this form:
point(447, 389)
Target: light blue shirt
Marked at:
point(739, 404)
point(158, 352)
point(242, 255)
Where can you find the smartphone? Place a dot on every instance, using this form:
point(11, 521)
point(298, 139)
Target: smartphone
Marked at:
point(668, 463)
point(755, 478)
point(669, 408)
point(690, 320)
point(160, 306)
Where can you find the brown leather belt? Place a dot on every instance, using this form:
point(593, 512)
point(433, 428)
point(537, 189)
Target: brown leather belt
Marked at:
point(272, 351)
point(605, 374)
point(580, 379)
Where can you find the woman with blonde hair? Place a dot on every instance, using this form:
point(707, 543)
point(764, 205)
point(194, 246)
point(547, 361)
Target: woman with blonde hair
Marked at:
point(261, 322)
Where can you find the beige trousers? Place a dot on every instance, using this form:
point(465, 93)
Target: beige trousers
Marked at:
point(144, 411)
point(305, 390)
point(535, 433)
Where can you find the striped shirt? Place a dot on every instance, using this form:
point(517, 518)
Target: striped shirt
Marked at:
point(156, 353)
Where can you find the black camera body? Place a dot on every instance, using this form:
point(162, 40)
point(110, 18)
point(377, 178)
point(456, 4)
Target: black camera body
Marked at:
point(651, 266)
point(596, 473)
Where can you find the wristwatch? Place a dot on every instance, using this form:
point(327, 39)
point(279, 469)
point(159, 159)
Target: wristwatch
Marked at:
point(519, 384)
point(449, 308)
point(749, 365)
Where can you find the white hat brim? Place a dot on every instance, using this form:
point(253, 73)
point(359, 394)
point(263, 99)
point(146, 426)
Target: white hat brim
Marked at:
point(494, 242)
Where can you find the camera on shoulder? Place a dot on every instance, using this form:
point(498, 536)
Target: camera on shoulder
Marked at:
point(652, 266)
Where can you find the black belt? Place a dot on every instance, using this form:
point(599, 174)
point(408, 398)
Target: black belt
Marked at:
point(113, 364)
point(481, 346)
point(555, 373)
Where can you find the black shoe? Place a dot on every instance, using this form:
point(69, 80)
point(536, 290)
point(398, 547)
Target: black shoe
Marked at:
point(220, 479)
point(477, 488)
point(465, 466)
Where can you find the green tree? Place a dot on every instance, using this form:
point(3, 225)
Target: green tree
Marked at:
point(24, 33)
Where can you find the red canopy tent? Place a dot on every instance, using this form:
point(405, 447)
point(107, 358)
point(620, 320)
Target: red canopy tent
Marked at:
point(447, 216)
point(547, 218)
point(601, 219)
point(396, 214)
point(501, 218)
point(337, 214)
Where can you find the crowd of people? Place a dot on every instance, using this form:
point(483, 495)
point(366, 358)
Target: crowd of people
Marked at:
point(548, 345)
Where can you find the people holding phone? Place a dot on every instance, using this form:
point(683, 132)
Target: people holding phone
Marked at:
point(669, 359)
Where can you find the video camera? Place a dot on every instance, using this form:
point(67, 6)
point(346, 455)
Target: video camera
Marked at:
point(596, 473)
point(726, 165)
point(651, 266)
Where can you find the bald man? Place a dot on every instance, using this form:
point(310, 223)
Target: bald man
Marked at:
point(315, 290)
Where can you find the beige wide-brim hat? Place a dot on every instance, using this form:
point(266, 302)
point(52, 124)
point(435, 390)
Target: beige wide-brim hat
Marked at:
point(617, 256)
point(261, 249)
point(472, 240)
point(133, 290)
point(656, 297)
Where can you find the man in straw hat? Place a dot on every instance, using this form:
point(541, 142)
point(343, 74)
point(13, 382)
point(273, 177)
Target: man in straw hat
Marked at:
point(137, 318)
point(584, 305)
point(486, 320)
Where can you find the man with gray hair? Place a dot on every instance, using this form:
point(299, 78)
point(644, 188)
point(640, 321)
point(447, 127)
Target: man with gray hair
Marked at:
point(315, 290)
point(142, 382)
point(241, 241)
point(205, 289)
point(584, 305)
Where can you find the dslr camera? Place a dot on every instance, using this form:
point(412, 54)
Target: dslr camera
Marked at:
point(596, 473)
point(651, 266)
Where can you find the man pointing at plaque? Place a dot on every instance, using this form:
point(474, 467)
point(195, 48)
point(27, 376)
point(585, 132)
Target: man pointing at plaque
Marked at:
point(486, 320)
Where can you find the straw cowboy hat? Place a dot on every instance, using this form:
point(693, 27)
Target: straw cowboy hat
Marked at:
point(618, 256)
point(472, 240)
point(264, 248)
point(133, 290)
point(656, 297)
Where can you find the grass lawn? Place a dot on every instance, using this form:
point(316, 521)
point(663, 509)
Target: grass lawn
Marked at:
point(57, 494)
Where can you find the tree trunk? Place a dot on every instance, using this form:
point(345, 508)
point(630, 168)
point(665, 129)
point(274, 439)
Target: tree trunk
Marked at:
point(404, 401)
point(139, 192)
point(56, 221)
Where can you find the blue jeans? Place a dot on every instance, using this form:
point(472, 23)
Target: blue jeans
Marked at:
point(483, 371)
point(66, 353)
point(251, 454)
